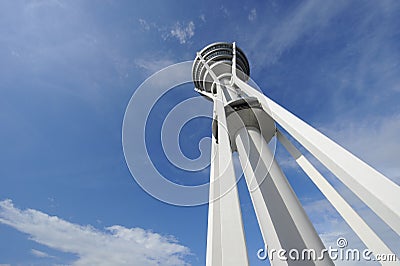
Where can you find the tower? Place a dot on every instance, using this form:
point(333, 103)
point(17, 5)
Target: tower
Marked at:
point(244, 120)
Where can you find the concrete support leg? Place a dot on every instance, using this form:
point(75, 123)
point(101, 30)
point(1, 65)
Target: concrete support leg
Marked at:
point(283, 222)
point(226, 243)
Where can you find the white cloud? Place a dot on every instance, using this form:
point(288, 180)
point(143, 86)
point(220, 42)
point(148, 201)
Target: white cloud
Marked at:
point(116, 245)
point(225, 11)
point(203, 17)
point(152, 65)
point(144, 24)
point(183, 32)
point(40, 254)
point(44, 3)
point(252, 15)
point(326, 220)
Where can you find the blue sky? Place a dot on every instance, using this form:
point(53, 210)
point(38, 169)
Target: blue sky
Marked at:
point(69, 68)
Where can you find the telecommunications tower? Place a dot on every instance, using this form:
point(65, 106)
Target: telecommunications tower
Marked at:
point(244, 120)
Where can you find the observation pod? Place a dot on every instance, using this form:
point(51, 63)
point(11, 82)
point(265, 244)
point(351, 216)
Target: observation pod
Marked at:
point(219, 58)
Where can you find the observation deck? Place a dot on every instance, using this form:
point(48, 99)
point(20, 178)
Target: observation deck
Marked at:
point(219, 57)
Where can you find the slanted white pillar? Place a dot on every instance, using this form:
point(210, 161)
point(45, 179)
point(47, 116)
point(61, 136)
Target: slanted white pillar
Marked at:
point(282, 220)
point(214, 248)
point(359, 226)
point(374, 189)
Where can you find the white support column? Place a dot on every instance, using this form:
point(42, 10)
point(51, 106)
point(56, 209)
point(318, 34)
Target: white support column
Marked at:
point(282, 220)
point(359, 226)
point(214, 248)
point(374, 189)
point(225, 217)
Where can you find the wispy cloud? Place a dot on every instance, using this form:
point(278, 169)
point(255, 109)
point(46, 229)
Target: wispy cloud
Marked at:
point(40, 254)
point(144, 24)
point(252, 15)
point(225, 11)
point(183, 32)
point(43, 3)
point(326, 220)
point(152, 65)
point(294, 26)
point(116, 245)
